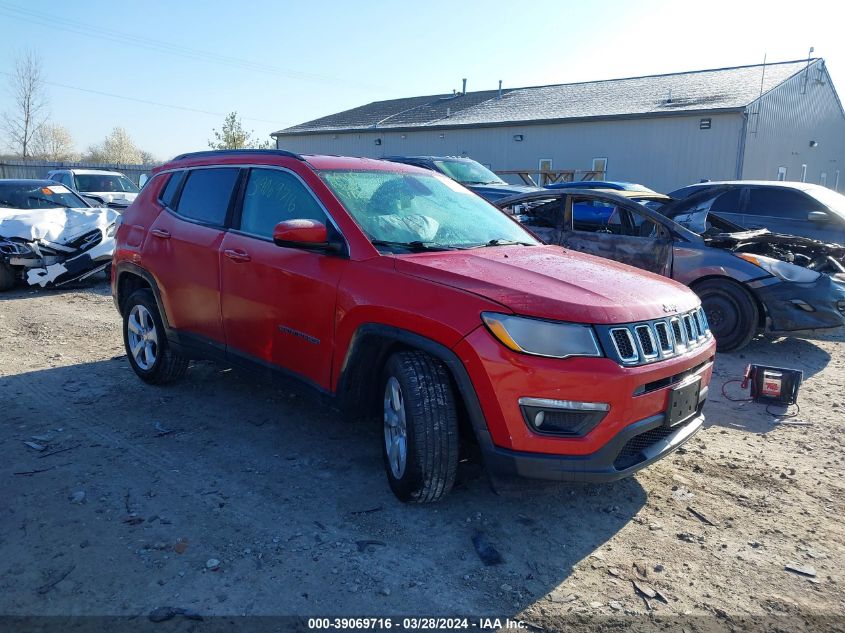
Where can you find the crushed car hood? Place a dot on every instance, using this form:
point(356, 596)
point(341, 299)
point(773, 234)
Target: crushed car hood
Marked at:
point(813, 254)
point(57, 225)
point(554, 283)
point(111, 196)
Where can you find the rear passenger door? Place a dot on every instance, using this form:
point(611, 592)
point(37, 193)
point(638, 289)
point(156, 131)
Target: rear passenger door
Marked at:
point(183, 250)
point(278, 303)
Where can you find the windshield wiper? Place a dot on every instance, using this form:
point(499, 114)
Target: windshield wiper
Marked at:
point(503, 243)
point(416, 245)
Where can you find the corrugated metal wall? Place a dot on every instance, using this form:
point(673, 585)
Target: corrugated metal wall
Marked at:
point(39, 168)
point(660, 152)
point(802, 109)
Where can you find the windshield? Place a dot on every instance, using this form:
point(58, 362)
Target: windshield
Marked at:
point(98, 183)
point(38, 196)
point(468, 172)
point(829, 198)
point(421, 210)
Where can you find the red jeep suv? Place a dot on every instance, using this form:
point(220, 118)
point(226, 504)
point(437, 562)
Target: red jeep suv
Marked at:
point(399, 294)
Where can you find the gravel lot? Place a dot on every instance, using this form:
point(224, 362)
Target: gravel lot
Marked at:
point(139, 489)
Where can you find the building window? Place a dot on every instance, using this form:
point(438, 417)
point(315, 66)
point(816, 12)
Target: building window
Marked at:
point(600, 165)
point(804, 173)
point(823, 179)
point(781, 173)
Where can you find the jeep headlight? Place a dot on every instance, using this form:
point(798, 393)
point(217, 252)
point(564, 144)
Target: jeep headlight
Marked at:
point(781, 269)
point(542, 338)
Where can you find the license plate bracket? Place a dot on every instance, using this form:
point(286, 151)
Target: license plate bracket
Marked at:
point(683, 402)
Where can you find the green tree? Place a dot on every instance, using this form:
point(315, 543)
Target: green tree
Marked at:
point(233, 136)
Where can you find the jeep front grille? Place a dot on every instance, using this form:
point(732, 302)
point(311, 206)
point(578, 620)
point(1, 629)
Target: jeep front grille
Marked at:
point(650, 341)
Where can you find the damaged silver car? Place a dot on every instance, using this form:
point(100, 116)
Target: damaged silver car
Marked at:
point(748, 281)
point(50, 236)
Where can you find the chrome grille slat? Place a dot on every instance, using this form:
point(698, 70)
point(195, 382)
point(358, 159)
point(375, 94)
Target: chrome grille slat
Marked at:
point(647, 344)
point(664, 338)
point(624, 343)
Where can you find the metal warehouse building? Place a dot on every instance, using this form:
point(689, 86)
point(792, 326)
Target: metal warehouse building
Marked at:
point(773, 121)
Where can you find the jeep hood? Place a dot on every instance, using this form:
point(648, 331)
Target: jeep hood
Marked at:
point(58, 225)
point(554, 283)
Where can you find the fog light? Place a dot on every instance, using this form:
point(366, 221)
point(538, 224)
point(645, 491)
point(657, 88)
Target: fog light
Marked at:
point(840, 305)
point(564, 418)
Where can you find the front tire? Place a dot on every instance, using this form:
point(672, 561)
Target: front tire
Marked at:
point(420, 446)
point(144, 338)
point(731, 313)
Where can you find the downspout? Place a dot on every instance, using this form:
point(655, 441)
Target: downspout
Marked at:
point(740, 154)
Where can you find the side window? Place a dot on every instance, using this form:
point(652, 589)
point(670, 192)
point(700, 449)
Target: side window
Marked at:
point(168, 195)
point(596, 216)
point(273, 196)
point(728, 202)
point(780, 202)
point(641, 226)
point(206, 194)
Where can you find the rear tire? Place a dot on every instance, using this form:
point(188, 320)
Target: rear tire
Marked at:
point(7, 277)
point(145, 340)
point(420, 446)
point(731, 312)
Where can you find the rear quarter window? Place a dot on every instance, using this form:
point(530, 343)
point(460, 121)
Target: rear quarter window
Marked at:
point(171, 189)
point(206, 195)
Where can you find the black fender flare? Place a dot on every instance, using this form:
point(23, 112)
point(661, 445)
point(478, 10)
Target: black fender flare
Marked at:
point(133, 269)
point(411, 339)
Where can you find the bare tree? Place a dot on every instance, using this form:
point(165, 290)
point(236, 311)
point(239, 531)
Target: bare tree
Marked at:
point(52, 142)
point(29, 103)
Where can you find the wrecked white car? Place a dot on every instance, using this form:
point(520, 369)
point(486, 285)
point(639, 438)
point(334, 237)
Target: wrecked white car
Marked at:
point(50, 236)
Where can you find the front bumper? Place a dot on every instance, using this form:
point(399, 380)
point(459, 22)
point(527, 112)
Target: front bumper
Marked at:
point(792, 306)
point(631, 435)
point(635, 447)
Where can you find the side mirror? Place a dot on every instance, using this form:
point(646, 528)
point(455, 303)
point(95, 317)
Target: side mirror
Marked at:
point(818, 216)
point(305, 234)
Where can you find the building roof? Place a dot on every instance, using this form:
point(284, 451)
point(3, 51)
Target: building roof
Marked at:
point(695, 91)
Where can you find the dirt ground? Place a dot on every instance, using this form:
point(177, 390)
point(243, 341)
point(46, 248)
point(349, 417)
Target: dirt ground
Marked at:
point(139, 490)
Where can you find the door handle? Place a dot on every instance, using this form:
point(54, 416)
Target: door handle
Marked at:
point(165, 235)
point(237, 256)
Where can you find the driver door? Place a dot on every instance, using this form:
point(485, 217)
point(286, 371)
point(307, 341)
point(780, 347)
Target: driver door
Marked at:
point(278, 304)
point(620, 232)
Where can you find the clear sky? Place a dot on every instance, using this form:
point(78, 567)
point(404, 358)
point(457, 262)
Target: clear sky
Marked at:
point(282, 62)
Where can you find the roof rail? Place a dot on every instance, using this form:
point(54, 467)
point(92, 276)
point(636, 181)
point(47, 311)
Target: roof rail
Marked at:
point(231, 152)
